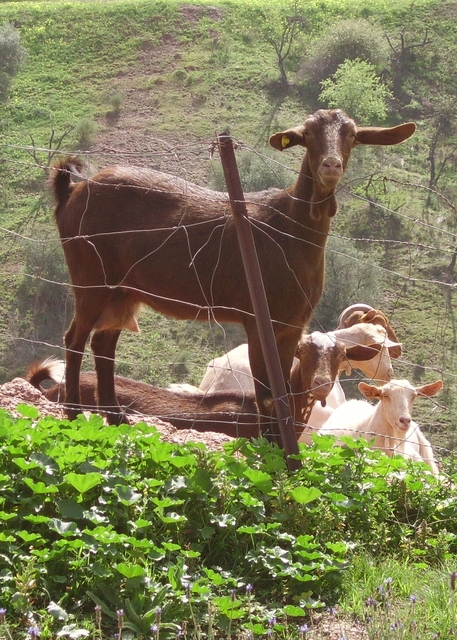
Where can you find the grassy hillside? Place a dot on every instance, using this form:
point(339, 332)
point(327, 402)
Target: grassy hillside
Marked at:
point(152, 83)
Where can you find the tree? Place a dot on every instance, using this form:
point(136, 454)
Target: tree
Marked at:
point(357, 89)
point(280, 31)
point(12, 57)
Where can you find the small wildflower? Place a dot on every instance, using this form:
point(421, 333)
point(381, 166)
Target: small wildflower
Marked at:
point(272, 621)
point(331, 611)
point(120, 619)
point(232, 595)
point(303, 629)
point(369, 602)
point(249, 588)
point(188, 589)
point(33, 632)
point(412, 599)
point(2, 615)
point(154, 628)
point(98, 613)
point(158, 613)
point(270, 633)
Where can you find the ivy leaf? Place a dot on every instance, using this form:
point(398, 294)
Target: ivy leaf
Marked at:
point(27, 411)
point(130, 570)
point(304, 495)
point(83, 482)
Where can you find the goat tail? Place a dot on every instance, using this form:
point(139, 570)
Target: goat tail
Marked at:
point(48, 369)
point(60, 178)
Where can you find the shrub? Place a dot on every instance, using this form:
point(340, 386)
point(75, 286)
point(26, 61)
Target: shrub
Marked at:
point(85, 131)
point(357, 89)
point(12, 56)
point(346, 40)
point(350, 278)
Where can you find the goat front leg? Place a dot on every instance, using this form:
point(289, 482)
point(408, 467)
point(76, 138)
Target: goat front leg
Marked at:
point(103, 346)
point(286, 344)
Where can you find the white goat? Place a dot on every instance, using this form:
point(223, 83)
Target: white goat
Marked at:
point(389, 422)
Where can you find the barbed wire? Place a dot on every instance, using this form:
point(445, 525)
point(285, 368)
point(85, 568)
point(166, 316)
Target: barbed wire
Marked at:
point(179, 154)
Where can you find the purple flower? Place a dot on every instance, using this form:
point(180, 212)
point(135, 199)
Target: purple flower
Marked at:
point(33, 632)
point(249, 588)
point(303, 629)
point(2, 615)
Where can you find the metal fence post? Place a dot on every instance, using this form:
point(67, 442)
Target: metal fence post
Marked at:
point(259, 299)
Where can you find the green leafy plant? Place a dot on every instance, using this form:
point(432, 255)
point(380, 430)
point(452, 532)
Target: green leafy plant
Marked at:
point(357, 89)
point(116, 518)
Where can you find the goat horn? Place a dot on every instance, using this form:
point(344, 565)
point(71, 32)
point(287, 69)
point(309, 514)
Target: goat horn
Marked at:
point(359, 306)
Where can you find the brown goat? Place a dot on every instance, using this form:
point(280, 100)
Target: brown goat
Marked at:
point(315, 369)
point(135, 236)
point(234, 414)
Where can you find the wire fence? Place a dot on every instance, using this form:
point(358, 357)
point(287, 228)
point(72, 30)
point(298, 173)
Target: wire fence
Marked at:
point(186, 161)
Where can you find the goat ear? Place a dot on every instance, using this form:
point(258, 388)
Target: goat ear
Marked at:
point(369, 390)
point(369, 316)
point(394, 349)
point(384, 135)
point(430, 389)
point(287, 139)
point(361, 353)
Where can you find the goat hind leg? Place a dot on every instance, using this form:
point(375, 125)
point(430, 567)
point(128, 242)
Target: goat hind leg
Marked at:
point(103, 346)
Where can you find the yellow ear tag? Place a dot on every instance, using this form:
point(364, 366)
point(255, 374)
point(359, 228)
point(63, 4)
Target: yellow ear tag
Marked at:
point(285, 141)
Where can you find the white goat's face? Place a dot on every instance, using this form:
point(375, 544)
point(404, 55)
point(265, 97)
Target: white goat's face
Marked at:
point(397, 404)
point(397, 399)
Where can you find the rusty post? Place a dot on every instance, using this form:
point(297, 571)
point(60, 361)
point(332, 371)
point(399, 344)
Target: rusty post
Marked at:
point(259, 299)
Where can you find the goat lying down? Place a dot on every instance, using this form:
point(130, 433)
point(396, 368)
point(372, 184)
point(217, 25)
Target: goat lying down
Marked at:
point(134, 236)
point(389, 422)
point(234, 414)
